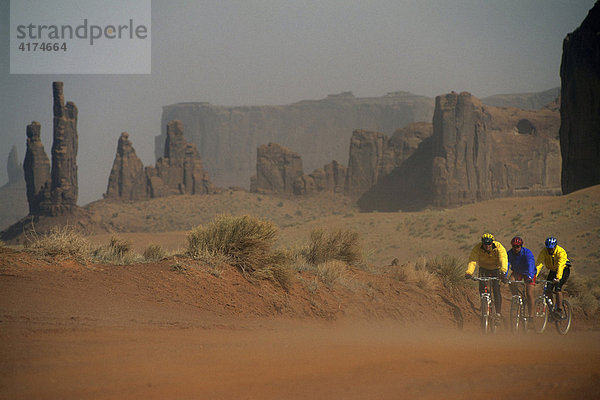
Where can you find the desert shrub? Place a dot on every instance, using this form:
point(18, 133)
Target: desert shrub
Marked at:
point(450, 270)
point(117, 251)
point(331, 271)
point(425, 279)
point(61, 241)
point(246, 241)
point(278, 269)
point(154, 252)
point(587, 302)
point(338, 245)
point(584, 292)
point(404, 272)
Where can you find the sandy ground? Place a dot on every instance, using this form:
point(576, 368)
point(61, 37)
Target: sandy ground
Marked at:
point(71, 331)
point(284, 360)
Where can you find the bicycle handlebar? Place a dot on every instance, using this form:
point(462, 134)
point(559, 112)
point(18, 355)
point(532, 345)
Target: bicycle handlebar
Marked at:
point(544, 281)
point(484, 278)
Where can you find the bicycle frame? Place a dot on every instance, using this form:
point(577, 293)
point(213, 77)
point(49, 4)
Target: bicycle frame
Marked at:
point(488, 308)
point(517, 309)
point(544, 312)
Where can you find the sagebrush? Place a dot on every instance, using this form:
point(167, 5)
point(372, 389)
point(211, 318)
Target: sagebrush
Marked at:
point(154, 252)
point(341, 245)
point(61, 241)
point(117, 251)
point(246, 241)
point(450, 270)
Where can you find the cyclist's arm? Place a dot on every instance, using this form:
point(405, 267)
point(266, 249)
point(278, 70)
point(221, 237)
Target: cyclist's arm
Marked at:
point(562, 260)
point(503, 258)
point(540, 262)
point(472, 261)
point(531, 267)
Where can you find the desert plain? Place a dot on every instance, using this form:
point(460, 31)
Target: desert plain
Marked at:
point(181, 328)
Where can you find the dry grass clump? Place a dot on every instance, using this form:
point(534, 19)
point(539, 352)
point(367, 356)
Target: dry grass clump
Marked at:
point(331, 271)
point(61, 241)
point(585, 293)
point(425, 279)
point(117, 251)
point(450, 270)
point(405, 272)
point(154, 252)
point(341, 245)
point(417, 272)
point(246, 242)
point(278, 269)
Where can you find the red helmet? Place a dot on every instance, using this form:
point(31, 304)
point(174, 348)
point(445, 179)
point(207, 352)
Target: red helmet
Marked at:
point(516, 241)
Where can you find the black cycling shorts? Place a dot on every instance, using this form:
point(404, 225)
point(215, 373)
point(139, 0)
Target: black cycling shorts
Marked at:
point(558, 286)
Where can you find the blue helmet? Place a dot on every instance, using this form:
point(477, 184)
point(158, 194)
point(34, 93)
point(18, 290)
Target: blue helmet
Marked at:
point(551, 242)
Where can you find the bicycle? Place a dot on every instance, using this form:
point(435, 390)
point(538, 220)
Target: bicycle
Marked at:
point(488, 308)
point(518, 317)
point(544, 312)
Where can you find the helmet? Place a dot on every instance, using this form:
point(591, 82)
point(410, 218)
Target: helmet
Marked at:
point(516, 241)
point(487, 238)
point(551, 242)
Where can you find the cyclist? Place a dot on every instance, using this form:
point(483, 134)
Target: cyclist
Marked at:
point(522, 264)
point(554, 258)
point(491, 257)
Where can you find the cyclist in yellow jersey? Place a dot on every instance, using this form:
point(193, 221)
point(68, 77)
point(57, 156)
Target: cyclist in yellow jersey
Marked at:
point(554, 258)
point(491, 257)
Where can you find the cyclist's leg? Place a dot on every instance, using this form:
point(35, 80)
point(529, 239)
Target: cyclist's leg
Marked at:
point(529, 294)
point(550, 286)
point(514, 290)
point(495, 285)
point(497, 296)
point(558, 287)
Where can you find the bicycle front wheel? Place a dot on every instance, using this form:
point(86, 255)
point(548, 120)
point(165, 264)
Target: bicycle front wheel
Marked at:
point(564, 323)
point(515, 315)
point(485, 316)
point(540, 315)
point(492, 318)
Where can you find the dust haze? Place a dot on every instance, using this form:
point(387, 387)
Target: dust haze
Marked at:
point(257, 53)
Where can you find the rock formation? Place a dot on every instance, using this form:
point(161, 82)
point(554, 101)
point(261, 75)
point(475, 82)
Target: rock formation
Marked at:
point(277, 169)
point(224, 134)
point(63, 190)
point(580, 105)
point(481, 152)
point(403, 178)
point(52, 189)
point(36, 169)
point(127, 180)
point(13, 195)
point(178, 172)
point(330, 178)
point(13, 167)
point(373, 155)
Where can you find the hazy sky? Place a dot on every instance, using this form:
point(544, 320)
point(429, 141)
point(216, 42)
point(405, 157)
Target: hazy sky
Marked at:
point(250, 52)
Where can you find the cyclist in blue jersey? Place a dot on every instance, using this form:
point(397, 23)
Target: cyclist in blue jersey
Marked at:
point(521, 263)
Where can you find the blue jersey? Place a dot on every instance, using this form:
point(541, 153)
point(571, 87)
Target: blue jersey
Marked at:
point(522, 263)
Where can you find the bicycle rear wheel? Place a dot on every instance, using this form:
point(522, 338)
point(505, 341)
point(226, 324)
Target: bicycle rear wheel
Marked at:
point(540, 315)
point(564, 323)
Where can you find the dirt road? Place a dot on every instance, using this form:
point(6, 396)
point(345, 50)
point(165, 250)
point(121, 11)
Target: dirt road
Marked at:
point(287, 360)
point(174, 331)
